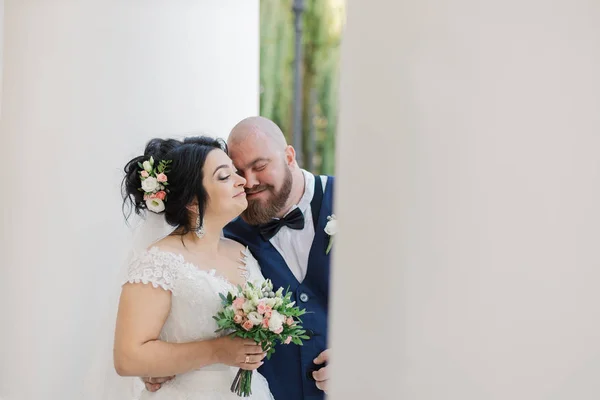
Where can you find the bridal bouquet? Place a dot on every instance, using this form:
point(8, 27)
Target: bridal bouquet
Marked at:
point(256, 312)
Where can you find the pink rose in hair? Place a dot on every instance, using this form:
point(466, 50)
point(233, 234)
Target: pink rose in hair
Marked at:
point(289, 321)
point(145, 174)
point(287, 340)
point(238, 303)
point(161, 177)
point(237, 319)
point(161, 195)
point(247, 325)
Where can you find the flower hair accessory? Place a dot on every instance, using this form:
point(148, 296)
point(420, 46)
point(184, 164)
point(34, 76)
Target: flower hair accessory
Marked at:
point(154, 184)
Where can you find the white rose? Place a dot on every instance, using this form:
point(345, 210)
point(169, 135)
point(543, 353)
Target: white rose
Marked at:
point(155, 205)
point(147, 166)
point(149, 184)
point(278, 302)
point(248, 307)
point(255, 318)
point(276, 321)
point(331, 227)
point(270, 302)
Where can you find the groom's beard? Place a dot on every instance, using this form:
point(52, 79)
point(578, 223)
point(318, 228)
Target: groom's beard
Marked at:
point(262, 211)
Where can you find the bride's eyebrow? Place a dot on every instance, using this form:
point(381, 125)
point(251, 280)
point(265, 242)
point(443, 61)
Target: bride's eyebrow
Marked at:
point(221, 167)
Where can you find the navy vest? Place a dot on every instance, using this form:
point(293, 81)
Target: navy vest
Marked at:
point(290, 367)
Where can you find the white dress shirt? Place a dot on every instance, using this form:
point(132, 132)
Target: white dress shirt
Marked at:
point(294, 244)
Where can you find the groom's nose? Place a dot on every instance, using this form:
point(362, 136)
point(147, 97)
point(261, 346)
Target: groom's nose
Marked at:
point(251, 180)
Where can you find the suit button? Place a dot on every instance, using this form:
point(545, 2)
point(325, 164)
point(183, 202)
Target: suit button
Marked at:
point(303, 297)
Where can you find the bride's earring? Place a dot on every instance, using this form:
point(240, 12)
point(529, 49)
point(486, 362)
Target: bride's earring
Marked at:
point(199, 228)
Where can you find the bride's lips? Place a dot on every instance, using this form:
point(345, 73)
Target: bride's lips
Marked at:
point(240, 194)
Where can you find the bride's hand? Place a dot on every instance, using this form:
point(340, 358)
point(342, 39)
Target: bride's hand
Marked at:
point(153, 384)
point(238, 352)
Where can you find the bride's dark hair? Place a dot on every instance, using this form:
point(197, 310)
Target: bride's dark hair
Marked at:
point(185, 177)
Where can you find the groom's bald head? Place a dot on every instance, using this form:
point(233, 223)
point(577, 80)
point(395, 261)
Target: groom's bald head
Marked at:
point(259, 129)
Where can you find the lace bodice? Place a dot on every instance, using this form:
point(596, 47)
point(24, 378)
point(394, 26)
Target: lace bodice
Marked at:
point(195, 300)
point(195, 291)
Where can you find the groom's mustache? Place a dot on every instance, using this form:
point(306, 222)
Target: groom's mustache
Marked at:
point(259, 188)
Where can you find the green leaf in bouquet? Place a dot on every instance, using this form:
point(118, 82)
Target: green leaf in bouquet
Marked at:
point(222, 296)
point(304, 337)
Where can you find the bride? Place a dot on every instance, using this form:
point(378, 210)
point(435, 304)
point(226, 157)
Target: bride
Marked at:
point(171, 292)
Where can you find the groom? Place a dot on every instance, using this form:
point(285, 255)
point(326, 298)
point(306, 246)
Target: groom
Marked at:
point(284, 228)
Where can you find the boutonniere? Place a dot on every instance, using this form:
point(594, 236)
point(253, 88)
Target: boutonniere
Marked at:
point(331, 230)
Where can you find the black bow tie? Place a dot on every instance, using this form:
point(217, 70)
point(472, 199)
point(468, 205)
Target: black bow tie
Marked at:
point(294, 220)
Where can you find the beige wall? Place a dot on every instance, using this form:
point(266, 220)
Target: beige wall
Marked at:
point(467, 263)
point(85, 85)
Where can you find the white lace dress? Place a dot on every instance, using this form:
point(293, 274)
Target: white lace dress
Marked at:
point(195, 299)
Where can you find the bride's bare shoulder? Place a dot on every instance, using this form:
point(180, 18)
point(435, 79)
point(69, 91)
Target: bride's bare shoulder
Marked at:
point(171, 243)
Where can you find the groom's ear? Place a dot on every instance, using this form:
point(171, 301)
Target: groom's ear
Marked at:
point(290, 155)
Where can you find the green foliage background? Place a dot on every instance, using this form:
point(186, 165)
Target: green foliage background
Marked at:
point(323, 22)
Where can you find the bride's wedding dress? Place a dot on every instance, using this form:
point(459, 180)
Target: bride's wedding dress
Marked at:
point(195, 299)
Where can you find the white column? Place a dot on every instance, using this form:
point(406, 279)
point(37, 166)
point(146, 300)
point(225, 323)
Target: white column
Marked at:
point(467, 263)
point(86, 84)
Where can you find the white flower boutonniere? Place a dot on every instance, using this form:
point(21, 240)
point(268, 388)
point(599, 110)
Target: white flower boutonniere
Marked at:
point(331, 230)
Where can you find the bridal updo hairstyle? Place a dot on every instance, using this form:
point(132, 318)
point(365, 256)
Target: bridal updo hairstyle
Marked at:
point(185, 177)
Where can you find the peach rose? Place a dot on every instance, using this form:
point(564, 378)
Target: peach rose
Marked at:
point(261, 308)
point(289, 321)
point(161, 177)
point(161, 195)
point(237, 319)
point(287, 340)
point(238, 303)
point(145, 174)
point(247, 325)
point(265, 323)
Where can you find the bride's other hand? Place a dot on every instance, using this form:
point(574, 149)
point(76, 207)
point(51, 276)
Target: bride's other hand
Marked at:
point(321, 376)
point(238, 352)
point(153, 384)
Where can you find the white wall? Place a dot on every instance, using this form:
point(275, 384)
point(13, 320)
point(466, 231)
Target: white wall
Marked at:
point(468, 262)
point(85, 85)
